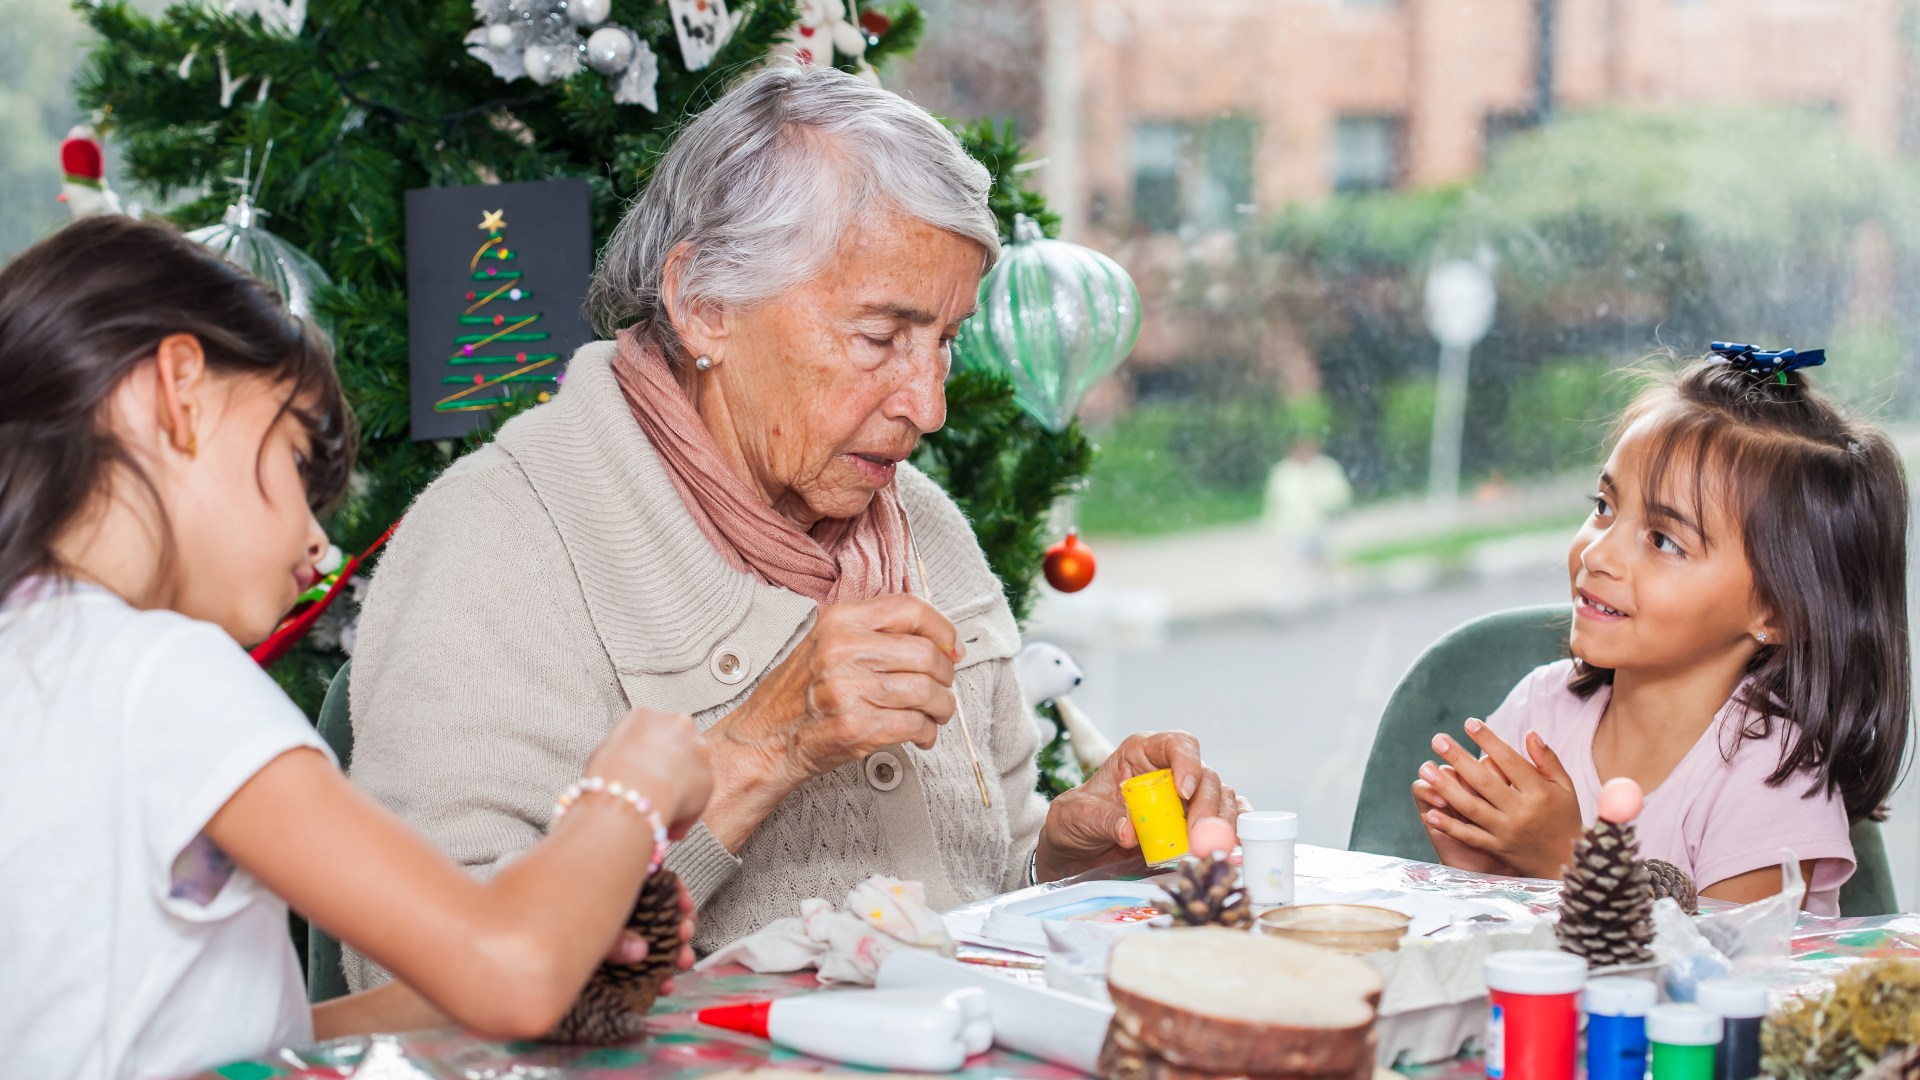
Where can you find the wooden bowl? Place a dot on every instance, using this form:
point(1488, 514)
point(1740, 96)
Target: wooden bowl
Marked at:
point(1349, 928)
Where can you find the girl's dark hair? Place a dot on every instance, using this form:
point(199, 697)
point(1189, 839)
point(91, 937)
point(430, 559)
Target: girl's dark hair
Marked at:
point(88, 305)
point(1822, 502)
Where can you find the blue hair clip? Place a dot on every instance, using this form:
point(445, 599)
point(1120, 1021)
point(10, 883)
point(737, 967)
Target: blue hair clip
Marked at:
point(1764, 364)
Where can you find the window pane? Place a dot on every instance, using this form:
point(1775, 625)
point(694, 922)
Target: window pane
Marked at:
point(1366, 153)
point(1159, 151)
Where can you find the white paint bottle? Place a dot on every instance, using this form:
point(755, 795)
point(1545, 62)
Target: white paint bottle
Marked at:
point(1266, 856)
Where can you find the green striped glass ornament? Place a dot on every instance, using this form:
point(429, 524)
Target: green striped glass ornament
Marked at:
point(1056, 317)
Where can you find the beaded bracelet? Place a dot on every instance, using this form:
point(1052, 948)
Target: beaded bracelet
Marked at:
point(640, 803)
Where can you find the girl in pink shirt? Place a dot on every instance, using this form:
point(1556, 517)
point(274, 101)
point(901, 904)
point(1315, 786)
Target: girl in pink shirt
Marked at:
point(1739, 647)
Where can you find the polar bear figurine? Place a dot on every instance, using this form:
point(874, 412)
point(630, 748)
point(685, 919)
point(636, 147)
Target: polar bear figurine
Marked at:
point(1046, 673)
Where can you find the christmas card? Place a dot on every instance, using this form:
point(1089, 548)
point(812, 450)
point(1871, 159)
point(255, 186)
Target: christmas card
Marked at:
point(496, 275)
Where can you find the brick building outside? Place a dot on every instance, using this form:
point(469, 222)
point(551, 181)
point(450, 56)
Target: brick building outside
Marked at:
point(1166, 125)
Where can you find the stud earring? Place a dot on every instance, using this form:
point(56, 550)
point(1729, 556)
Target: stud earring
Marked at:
point(1761, 637)
point(705, 363)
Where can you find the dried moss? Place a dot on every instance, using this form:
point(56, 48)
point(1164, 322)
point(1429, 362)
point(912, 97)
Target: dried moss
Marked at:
point(1873, 1009)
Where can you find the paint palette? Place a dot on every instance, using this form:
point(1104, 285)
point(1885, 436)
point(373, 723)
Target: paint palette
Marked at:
point(1098, 907)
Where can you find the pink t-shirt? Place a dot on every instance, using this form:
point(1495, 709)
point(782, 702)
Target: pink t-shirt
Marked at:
point(1715, 816)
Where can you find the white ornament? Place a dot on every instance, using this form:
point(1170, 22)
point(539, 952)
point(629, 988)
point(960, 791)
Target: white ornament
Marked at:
point(539, 64)
point(637, 84)
point(283, 17)
point(822, 28)
point(1045, 673)
point(565, 59)
point(83, 163)
point(610, 49)
point(507, 64)
point(228, 84)
point(541, 39)
point(702, 26)
point(588, 13)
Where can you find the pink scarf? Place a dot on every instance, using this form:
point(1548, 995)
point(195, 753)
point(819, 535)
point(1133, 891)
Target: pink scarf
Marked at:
point(855, 558)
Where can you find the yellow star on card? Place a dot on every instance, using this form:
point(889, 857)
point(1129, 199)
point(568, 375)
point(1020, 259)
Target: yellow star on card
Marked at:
point(493, 221)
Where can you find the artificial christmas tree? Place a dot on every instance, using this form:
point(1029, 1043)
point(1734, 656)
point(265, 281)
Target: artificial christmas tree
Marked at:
point(367, 99)
point(1606, 907)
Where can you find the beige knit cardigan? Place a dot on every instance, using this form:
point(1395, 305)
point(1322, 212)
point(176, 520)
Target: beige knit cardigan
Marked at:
point(550, 581)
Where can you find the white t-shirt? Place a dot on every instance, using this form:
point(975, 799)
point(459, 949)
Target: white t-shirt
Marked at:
point(130, 946)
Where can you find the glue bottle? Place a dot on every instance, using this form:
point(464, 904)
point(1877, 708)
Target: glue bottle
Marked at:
point(1617, 1009)
point(1742, 1008)
point(1685, 1039)
point(911, 1030)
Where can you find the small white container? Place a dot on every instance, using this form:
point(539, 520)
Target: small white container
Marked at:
point(1266, 856)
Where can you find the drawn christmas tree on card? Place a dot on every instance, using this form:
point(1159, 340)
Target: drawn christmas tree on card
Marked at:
point(498, 351)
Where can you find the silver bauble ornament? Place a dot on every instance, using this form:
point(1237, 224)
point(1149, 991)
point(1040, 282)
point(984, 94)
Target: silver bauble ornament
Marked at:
point(565, 58)
point(539, 62)
point(589, 13)
point(610, 49)
point(240, 239)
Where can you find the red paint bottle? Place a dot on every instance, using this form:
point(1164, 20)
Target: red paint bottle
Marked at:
point(1533, 1014)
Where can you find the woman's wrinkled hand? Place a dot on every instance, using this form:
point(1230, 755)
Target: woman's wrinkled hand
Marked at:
point(869, 674)
point(1089, 826)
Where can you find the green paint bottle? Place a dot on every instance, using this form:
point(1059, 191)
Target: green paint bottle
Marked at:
point(1684, 1039)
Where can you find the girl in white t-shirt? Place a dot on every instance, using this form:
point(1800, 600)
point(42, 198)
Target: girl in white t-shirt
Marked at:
point(1739, 647)
point(165, 429)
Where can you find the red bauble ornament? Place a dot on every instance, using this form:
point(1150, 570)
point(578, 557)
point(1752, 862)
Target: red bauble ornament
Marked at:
point(875, 24)
point(1069, 564)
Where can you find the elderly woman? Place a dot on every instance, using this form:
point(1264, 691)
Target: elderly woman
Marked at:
point(716, 516)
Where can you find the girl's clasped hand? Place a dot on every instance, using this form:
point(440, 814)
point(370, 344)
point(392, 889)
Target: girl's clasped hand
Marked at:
point(1499, 813)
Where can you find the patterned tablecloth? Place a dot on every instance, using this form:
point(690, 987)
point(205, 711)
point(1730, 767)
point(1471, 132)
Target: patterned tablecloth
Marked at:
point(678, 1048)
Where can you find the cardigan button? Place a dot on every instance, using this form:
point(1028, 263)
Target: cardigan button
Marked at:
point(728, 664)
point(883, 771)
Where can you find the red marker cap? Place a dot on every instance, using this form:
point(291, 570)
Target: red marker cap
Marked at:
point(750, 1018)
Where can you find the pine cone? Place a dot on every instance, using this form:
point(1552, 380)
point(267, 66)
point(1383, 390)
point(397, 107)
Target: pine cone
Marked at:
point(1206, 892)
point(1669, 880)
point(1607, 905)
point(613, 1006)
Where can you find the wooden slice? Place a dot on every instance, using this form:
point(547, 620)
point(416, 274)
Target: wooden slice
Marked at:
point(1228, 1002)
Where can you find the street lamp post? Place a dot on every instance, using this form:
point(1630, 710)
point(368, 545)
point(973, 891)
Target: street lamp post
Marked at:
point(1460, 302)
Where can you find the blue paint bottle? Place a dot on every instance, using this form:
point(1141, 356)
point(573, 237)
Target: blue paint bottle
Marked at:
point(1617, 1010)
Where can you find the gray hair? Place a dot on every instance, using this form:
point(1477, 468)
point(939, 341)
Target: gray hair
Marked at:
point(762, 186)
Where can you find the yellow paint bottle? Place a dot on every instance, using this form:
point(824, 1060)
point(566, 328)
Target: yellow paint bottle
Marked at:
point(1159, 819)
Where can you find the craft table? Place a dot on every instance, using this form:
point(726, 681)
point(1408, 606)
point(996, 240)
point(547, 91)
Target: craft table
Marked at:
point(680, 1049)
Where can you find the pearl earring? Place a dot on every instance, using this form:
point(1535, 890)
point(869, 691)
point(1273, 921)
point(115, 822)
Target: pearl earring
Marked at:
point(705, 363)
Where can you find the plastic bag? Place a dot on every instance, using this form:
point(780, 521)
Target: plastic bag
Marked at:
point(1740, 941)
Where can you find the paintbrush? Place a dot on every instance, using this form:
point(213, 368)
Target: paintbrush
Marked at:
point(959, 710)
